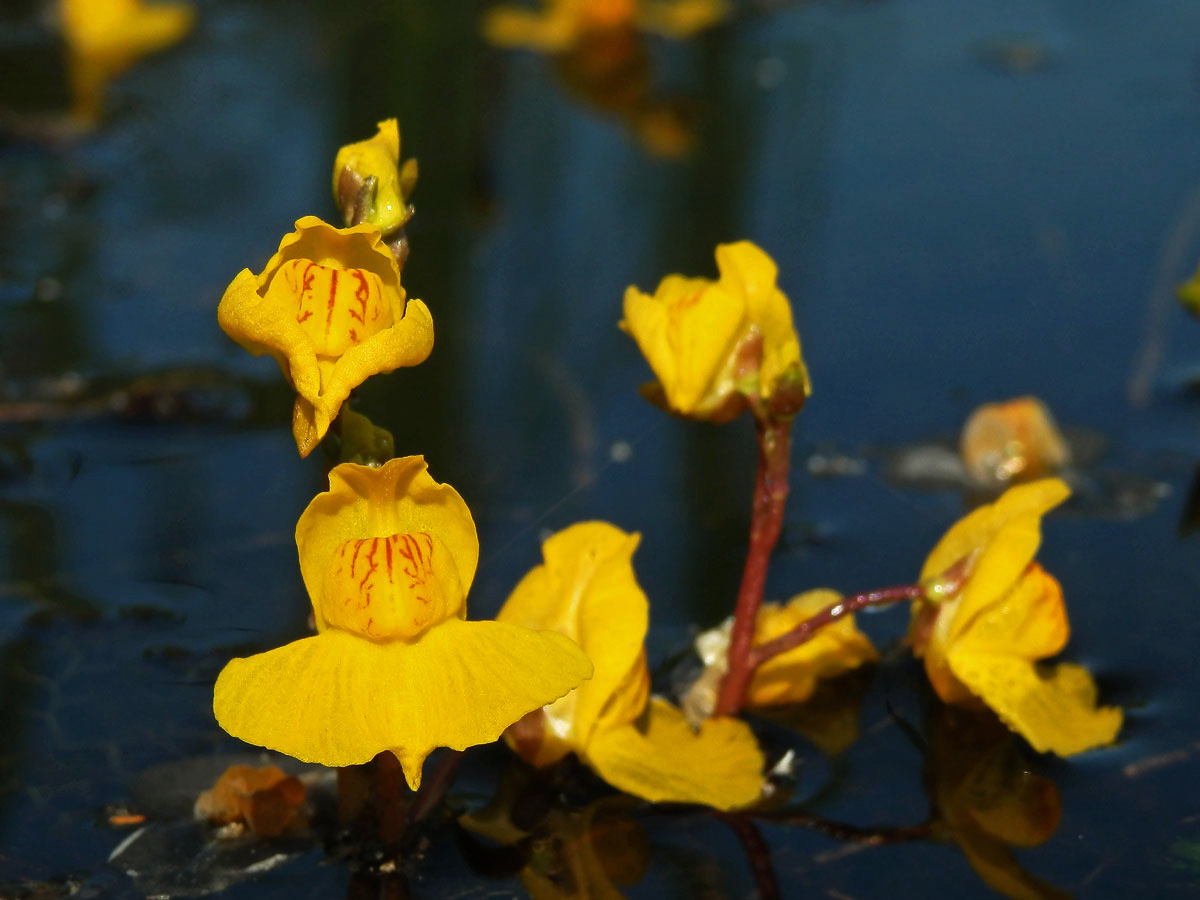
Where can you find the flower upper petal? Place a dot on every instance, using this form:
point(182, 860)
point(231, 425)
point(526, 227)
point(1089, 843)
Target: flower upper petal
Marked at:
point(666, 761)
point(687, 331)
point(339, 699)
point(1055, 713)
point(979, 527)
point(399, 497)
point(747, 269)
point(586, 589)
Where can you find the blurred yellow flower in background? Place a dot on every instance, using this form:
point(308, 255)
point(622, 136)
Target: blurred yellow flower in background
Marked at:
point(329, 308)
point(388, 556)
point(106, 37)
point(981, 642)
point(586, 589)
point(791, 676)
point(715, 344)
point(386, 200)
point(559, 24)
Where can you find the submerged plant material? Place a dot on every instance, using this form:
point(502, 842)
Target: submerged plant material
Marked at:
point(981, 638)
point(586, 589)
point(107, 37)
point(791, 676)
point(329, 308)
point(388, 556)
point(1016, 440)
point(371, 185)
point(560, 24)
point(266, 799)
point(717, 345)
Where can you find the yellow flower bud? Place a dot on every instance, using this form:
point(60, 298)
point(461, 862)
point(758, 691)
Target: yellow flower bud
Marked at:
point(370, 184)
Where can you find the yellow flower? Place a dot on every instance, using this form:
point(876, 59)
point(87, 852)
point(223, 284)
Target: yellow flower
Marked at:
point(987, 801)
point(792, 676)
point(106, 37)
point(330, 309)
point(561, 23)
point(387, 206)
point(387, 556)
point(713, 344)
point(586, 590)
point(981, 642)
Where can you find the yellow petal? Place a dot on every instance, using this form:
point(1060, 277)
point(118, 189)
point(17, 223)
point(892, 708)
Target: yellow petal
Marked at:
point(975, 530)
point(665, 761)
point(399, 497)
point(1055, 713)
point(259, 328)
point(338, 699)
point(586, 589)
point(406, 343)
point(1029, 622)
point(379, 157)
point(747, 269)
point(688, 332)
point(792, 677)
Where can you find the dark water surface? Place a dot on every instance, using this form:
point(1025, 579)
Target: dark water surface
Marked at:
point(967, 202)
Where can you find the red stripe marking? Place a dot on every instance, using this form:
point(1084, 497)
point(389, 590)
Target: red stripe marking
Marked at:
point(333, 275)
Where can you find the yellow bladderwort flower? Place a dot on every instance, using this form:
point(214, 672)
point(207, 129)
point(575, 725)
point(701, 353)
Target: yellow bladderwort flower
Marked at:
point(560, 24)
point(586, 589)
point(385, 200)
point(1002, 613)
point(792, 676)
point(387, 556)
point(107, 37)
point(330, 309)
point(716, 344)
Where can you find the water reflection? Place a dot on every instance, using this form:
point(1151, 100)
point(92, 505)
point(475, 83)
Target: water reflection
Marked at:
point(987, 801)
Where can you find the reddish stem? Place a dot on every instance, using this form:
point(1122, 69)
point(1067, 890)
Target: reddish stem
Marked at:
point(766, 521)
point(844, 607)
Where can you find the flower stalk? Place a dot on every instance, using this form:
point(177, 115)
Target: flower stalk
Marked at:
point(844, 607)
point(766, 523)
